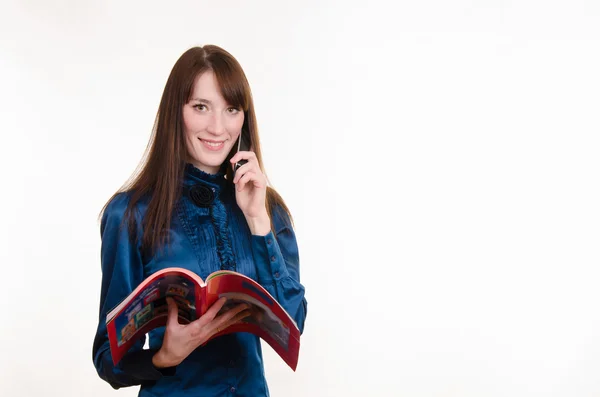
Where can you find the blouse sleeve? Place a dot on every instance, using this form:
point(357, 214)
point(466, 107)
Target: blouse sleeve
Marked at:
point(278, 266)
point(122, 272)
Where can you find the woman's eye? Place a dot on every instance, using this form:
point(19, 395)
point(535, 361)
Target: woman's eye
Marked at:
point(233, 110)
point(200, 106)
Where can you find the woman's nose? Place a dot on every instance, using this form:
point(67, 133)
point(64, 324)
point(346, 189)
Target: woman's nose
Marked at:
point(216, 125)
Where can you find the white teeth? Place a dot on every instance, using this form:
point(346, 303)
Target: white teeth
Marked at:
point(213, 144)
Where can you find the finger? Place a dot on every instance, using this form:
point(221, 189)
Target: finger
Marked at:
point(213, 310)
point(198, 326)
point(173, 314)
point(231, 321)
point(229, 314)
point(241, 171)
point(243, 155)
point(250, 177)
point(238, 318)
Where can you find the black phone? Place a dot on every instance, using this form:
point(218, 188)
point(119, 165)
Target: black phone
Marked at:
point(243, 145)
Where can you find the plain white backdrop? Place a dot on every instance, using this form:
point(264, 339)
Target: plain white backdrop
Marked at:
point(440, 159)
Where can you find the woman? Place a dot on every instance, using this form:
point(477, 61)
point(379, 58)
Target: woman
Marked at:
point(187, 208)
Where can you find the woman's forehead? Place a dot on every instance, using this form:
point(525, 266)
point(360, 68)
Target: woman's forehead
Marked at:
point(207, 89)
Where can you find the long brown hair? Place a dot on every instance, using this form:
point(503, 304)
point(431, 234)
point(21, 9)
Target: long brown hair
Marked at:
point(160, 173)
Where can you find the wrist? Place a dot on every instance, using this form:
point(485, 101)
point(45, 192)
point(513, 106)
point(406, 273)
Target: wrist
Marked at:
point(160, 360)
point(259, 225)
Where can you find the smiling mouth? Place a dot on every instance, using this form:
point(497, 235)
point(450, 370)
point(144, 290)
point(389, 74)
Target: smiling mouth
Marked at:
point(213, 145)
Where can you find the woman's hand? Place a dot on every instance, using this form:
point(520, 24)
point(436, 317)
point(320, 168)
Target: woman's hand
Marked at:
point(182, 339)
point(251, 192)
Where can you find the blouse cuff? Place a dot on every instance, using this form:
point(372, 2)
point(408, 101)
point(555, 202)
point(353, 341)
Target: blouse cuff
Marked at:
point(270, 264)
point(139, 364)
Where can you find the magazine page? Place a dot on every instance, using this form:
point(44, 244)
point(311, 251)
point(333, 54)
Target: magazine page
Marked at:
point(262, 317)
point(148, 309)
point(268, 319)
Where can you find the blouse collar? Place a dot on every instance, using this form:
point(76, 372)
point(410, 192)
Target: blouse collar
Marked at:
point(194, 175)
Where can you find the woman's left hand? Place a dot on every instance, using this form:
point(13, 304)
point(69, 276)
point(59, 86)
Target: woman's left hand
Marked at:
point(251, 192)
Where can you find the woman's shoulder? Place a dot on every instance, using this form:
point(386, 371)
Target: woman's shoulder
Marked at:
point(281, 215)
point(118, 204)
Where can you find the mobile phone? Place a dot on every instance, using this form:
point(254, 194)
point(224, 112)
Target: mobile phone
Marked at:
point(243, 145)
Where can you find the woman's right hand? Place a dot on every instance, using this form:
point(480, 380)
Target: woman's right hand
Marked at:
point(182, 339)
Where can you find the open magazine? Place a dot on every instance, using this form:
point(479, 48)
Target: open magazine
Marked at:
point(146, 308)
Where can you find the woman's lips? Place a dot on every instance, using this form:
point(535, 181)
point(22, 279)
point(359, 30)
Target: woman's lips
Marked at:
point(212, 145)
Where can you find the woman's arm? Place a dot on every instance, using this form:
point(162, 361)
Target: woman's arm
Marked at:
point(122, 272)
point(275, 251)
point(278, 266)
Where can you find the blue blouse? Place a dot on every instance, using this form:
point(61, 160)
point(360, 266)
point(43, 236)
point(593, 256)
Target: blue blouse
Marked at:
point(204, 238)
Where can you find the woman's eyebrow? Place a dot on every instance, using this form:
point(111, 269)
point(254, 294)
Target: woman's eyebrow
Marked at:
point(202, 100)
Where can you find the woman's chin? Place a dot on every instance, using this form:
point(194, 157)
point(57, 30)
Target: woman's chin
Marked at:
point(211, 167)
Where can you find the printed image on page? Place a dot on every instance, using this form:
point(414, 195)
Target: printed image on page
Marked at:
point(261, 316)
point(151, 303)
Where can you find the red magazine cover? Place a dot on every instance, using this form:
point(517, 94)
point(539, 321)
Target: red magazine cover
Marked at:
point(146, 308)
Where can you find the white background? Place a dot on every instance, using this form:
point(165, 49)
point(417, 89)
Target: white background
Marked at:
point(440, 159)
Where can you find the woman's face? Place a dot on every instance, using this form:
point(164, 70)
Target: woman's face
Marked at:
point(211, 125)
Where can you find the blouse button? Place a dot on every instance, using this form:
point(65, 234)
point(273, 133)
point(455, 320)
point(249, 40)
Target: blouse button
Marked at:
point(232, 389)
point(269, 241)
point(276, 274)
point(272, 259)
